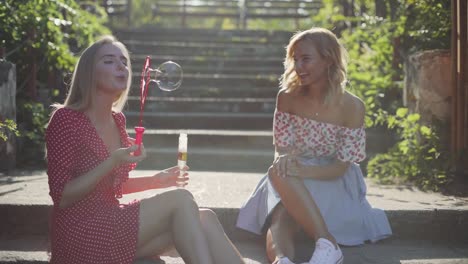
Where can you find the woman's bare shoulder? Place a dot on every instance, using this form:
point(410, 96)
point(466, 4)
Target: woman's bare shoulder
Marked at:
point(352, 100)
point(284, 100)
point(353, 110)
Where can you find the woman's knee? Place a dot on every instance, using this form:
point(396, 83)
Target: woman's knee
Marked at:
point(209, 218)
point(281, 217)
point(181, 197)
point(183, 193)
point(207, 215)
point(173, 199)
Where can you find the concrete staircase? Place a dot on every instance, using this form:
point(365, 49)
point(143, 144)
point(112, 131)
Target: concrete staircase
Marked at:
point(226, 101)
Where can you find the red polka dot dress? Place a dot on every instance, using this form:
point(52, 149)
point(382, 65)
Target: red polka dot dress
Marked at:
point(96, 229)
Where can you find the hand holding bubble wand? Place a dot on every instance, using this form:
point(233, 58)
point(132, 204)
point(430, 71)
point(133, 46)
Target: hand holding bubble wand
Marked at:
point(168, 77)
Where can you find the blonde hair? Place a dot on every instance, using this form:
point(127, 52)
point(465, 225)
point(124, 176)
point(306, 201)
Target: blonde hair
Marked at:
point(329, 48)
point(83, 82)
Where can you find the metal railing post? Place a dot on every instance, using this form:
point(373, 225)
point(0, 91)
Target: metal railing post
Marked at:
point(129, 13)
point(242, 14)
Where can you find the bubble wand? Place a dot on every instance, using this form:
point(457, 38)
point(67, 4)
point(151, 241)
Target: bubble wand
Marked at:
point(168, 77)
point(144, 82)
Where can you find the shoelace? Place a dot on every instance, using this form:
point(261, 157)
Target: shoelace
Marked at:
point(321, 253)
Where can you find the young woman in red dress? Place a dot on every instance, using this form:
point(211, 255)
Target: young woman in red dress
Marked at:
point(89, 157)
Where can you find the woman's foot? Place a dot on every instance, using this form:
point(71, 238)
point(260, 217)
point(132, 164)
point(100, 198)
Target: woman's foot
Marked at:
point(326, 253)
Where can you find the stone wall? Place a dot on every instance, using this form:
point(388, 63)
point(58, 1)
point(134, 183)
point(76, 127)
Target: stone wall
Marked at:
point(428, 85)
point(7, 111)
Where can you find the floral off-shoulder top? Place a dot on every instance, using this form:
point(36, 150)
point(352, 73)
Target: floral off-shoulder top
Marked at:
point(319, 139)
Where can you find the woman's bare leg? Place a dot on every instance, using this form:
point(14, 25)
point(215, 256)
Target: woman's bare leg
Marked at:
point(156, 246)
point(176, 211)
point(222, 249)
point(301, 206)
point(280, 235)
point(219, 243)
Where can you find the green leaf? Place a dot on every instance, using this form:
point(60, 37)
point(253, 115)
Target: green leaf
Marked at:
point(425, 131)
point(401, 112)
point(414, 117)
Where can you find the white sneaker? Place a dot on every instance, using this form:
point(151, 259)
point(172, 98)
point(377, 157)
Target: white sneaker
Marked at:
point(326, 253)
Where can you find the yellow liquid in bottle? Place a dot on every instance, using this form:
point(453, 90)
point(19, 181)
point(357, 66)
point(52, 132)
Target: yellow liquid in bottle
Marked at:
point(181, 162)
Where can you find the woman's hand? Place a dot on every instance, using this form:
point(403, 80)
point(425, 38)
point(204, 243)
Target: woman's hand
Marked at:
point(169, 177)
point(126, 154)
point(286, 165)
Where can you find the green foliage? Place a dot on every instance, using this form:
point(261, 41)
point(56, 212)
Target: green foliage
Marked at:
point(377, 47)
point(428, 25)
point(142, 15)
point(49, 34)
point(370, 69)
point(419, 156)
point(35, 117)
point(6, 127)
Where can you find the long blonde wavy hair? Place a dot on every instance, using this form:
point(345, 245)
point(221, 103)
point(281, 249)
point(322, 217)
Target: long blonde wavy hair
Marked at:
point(83, 82)
point(329, 48)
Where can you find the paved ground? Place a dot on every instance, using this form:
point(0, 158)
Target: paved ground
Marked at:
point(390, 251)
point(228, 189)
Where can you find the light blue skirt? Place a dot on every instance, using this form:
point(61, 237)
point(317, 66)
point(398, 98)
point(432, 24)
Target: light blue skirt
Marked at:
point(342, 202)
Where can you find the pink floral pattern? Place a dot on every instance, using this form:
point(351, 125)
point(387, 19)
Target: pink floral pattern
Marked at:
point(319, 139)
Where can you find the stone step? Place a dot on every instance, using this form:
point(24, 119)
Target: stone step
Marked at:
point(204, 138)
point(34, 250)
point(219, 67)
point(205, 48)
point(254, 63)
point(25, 205)
point(210, 159)
point(203, 104)
point(230, 81)
point(202, 120)
point(202, 35)
point(224, 90)
point(210, 150)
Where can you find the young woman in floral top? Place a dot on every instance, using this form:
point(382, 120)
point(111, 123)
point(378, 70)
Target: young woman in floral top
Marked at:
point(315, 182)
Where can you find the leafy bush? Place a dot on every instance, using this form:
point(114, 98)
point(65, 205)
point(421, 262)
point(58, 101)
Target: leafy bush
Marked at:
point(7, 127)
point(48, 34)
point(31, 144)
point(377, 47)
point(418, 157)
